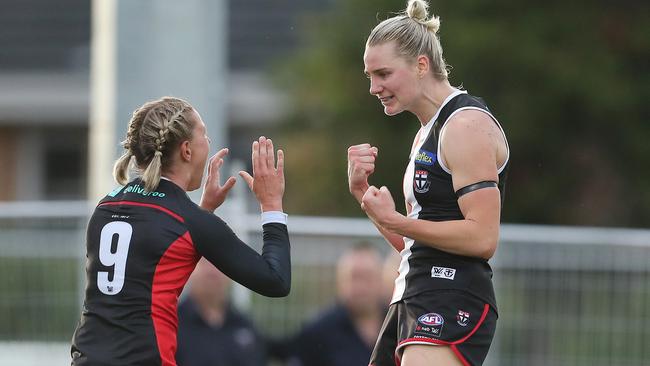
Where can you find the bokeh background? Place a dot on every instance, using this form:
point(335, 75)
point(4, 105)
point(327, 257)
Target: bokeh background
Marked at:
point(569, 81)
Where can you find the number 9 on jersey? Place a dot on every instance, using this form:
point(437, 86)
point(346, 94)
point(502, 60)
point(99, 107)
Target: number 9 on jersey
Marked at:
point(116, 259)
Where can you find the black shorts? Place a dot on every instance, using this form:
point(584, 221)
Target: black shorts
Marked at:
point(451, 318)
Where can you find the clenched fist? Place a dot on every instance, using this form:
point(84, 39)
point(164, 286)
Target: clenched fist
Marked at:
point(361, 163)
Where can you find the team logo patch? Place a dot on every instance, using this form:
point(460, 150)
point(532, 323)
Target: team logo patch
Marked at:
point(462, 318)
point(429, 325)
point(443, 272)
point(421, 183)
point(425, 157)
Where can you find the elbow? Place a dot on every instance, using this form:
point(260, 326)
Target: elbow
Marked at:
point(280, 291)
point(487, 248)
point(280, 288)
point(284, 292)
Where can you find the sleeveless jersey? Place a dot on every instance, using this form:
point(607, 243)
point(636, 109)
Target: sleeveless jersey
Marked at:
point(429, 190)
point(141, 248)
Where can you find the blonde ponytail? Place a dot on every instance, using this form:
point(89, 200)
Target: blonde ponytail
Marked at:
point(151, 175)
point(121, 168)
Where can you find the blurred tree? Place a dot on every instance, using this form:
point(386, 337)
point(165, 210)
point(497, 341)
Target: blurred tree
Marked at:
point(568, 81)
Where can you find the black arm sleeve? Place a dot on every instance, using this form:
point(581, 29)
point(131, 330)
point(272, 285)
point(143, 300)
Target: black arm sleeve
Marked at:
point(268, 274)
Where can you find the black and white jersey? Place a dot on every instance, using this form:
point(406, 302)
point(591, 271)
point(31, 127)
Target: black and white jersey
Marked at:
point(429, 191)
point(141, 247)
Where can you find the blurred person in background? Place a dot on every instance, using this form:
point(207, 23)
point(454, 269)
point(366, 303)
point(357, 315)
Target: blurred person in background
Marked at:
point(344, 333)
point(210, 330)
point(145, 238)
point(443, 310)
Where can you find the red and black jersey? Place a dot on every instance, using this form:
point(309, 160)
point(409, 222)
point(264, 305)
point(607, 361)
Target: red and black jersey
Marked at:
point(429, 190)
point(141, 247)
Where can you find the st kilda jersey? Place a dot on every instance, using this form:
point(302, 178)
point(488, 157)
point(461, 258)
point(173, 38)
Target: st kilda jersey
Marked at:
point(141, 248)
point(429, 191)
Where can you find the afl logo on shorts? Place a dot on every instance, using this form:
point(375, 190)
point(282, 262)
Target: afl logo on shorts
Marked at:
point(420, 182)
point(429, 325)
point(431, 319)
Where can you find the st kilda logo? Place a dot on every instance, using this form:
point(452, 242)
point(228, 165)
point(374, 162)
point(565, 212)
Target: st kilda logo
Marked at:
point(420, 182)
point(462, 318)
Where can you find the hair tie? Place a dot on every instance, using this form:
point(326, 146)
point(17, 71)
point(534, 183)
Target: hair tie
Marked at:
point(158, 153)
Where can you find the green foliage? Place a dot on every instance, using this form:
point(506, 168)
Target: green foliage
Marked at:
point(568, 81)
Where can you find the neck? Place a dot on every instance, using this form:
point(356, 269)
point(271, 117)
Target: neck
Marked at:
point(181, 180)
point(433, 95)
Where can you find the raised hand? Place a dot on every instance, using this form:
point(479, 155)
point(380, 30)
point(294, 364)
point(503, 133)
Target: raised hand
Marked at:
point(361, 163)
point(267, 181)
point(214, 194)
point(379, 206)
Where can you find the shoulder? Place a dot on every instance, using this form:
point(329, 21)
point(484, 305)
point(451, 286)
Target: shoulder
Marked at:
point(470, 122)
point(469, 143)
point(199, 220)
point(470, 131)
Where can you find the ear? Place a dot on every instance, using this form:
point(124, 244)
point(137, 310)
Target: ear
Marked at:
point(185, 151)
point(422, 63)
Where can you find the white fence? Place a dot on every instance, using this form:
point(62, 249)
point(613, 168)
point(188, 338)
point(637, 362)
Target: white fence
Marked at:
point(567, 296)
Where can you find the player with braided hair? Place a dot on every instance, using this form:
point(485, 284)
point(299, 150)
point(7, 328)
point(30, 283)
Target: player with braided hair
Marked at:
point(145, 238)
point(443, 310)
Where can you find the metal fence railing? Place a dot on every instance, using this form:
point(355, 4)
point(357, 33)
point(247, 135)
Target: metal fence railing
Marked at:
point(566, 296)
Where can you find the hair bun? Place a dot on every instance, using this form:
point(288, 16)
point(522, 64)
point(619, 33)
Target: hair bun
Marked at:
point(418, 11)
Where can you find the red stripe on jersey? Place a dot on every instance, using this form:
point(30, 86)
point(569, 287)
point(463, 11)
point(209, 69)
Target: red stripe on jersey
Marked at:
point(159, 208)
point(172, 272)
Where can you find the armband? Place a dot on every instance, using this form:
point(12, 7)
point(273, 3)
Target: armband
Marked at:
point(476, 186)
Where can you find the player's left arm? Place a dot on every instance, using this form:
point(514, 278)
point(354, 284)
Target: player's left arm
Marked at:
point(470, 143)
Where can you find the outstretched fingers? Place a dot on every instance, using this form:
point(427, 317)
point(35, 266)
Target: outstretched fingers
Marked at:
point(280, 168)
point(262, 163)
point(255, 157)
point(215, 163)
point(229, 184)
point(270, 155)
point(221, 153)
point(247, 178)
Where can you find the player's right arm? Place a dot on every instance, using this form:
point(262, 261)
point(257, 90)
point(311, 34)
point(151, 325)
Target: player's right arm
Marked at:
point(361, 163)
point(269, 273)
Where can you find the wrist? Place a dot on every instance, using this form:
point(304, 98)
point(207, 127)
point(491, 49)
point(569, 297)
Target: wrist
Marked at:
point(394, 222)
point(272, 206)
point(358, 192)
point(207, 206)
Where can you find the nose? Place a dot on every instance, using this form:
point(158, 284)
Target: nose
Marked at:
point(375, 87)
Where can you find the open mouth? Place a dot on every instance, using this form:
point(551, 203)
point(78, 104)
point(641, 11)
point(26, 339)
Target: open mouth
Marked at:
point(385, 100)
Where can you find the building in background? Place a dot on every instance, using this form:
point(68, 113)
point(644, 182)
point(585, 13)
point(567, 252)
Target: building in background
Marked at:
point(44, 48)
point(44, 88)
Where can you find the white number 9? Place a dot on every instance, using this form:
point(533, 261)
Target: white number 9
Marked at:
point(123, 230)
